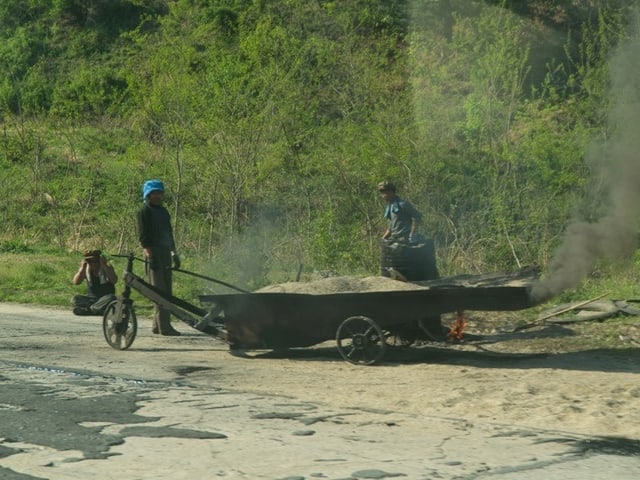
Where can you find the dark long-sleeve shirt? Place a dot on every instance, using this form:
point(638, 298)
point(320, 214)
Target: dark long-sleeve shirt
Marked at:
point(154, 228)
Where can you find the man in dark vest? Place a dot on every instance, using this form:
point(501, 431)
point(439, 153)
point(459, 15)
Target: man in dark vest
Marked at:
point(101, 279)
point(156, 238)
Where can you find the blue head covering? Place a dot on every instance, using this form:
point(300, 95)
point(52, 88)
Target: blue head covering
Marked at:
point(151, 185)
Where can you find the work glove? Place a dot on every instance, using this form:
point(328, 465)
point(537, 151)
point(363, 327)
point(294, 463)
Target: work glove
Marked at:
point(176, 261)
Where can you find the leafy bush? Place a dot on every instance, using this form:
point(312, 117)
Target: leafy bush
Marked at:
point(298, 109)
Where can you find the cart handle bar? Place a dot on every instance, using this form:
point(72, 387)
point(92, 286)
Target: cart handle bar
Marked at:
point(212, 280)
point(132, 257)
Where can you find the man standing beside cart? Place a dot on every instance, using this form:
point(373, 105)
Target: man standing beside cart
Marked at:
point(405, 254)
point(408, 256)
point(403, 218)
point(156, 238)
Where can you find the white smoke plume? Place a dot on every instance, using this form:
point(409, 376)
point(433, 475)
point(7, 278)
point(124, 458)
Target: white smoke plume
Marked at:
point(614, 234)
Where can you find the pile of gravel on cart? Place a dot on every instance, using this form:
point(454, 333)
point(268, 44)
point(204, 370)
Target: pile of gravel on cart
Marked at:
point(344, 284)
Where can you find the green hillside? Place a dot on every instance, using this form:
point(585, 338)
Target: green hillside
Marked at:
point(272, 122)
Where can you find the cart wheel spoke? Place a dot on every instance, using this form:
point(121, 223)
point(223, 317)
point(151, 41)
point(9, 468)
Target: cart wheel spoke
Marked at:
point(355, 356)
point(119, 324)
point(360, 341)
point(352, 352)
point(373, 334)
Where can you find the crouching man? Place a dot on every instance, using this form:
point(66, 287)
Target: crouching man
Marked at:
point(101, 279)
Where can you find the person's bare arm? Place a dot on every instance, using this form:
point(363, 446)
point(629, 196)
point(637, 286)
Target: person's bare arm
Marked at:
point(108, 270)
point(81, 274)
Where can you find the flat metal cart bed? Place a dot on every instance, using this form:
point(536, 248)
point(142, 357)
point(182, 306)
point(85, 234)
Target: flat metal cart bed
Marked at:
point(360, 322)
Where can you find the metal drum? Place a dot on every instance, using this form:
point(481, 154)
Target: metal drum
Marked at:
point(413, 262)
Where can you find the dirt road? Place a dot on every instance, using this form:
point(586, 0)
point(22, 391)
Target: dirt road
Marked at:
point(71, 407)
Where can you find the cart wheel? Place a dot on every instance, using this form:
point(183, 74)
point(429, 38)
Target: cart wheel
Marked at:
point(120, 332)
point(360, 341)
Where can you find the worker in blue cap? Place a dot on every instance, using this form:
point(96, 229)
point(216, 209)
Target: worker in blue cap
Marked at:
point(156, 238)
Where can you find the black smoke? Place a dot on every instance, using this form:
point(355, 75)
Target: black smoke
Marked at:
point(614, 234)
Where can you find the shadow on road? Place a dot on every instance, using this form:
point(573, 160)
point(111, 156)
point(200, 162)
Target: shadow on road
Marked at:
point(480, 352)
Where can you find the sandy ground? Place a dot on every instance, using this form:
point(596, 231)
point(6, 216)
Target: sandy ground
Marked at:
point(564, 377)
point(549, 377)
point(592, 393)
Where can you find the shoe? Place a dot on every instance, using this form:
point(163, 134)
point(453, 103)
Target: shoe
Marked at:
point(81, 311)
point(171, 333)
point(155, 330)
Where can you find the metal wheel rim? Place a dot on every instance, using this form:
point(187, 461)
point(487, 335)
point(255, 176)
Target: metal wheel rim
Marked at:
point(121, 333)
point(360, 341)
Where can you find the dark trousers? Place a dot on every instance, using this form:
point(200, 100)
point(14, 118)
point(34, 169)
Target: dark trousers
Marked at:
point(92, 304)
point(161, 278)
